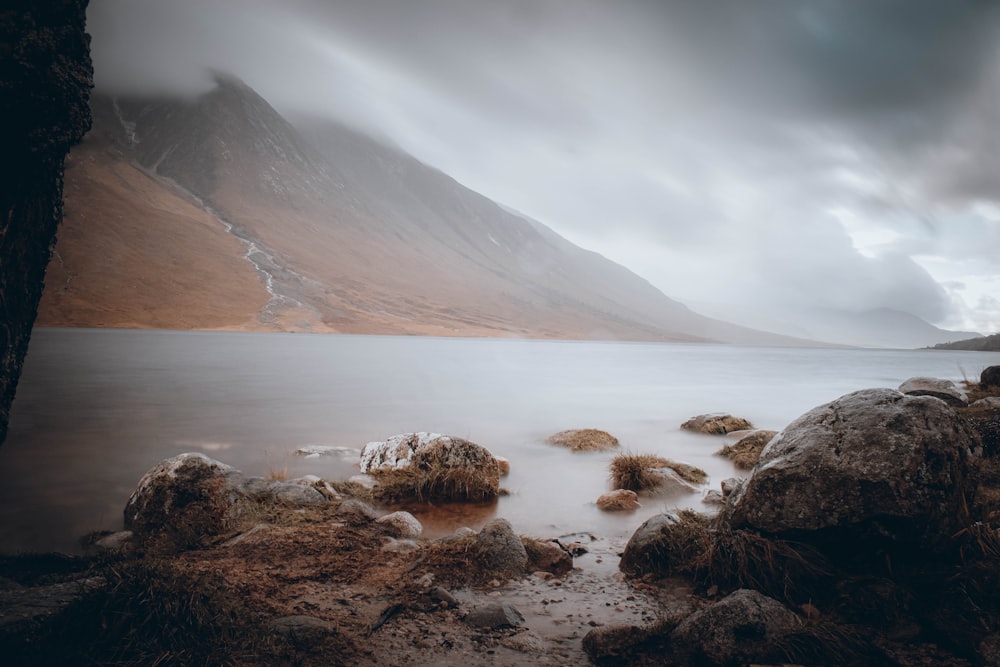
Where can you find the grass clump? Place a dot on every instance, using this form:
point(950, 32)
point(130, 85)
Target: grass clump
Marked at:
point(584, 440)
point(437, 484)
point(638, 472)
point(746, 451)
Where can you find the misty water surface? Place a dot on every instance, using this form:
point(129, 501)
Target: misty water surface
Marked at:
point(96, 408)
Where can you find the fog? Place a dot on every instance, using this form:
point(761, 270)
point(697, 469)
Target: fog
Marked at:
point(772, 154)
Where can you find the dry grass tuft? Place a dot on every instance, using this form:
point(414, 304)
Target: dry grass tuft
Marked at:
point(277, 473)
point(634, 472)
point(440, 483)
point(584, 440)
point(785, 570)
point(746, 451)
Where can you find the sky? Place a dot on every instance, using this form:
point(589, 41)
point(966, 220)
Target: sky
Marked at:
point(776, 154)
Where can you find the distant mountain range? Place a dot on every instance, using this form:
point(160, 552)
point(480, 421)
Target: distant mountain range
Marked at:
point(215, 212)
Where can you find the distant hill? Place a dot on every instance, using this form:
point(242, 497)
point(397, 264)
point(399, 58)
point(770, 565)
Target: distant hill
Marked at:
point(880, 327)
point(217, 213)
point(980, 344)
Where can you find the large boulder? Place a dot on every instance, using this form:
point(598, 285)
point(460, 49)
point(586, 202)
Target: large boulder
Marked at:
point(185, 498)
point(875, 463)
point(946, 390)
point(432, 466)
point(990, 377)
point(664, 543)
point(743, 627)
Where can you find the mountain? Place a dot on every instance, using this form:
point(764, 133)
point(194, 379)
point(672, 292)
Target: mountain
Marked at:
point(880, 327)
point(216, 212)
point(979, 344)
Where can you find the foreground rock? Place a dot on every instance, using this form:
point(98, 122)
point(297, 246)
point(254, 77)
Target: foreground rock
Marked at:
point(742, 628)
point(946, 390)
point(716, 424)
point(662, 544)
point(431, 466)
point(990, 377)
point(185, 498)
point(874, 464)
point(501, 550)
point(584, 440)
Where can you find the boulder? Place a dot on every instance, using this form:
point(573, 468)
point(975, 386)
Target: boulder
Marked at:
point(356, 512)
point(746, 451)
point(185, 498)
point(620, 500)
point(716, 424)
point(990, 377)
point(431, 466)
point(501, 550)
point(946, 390)
point(875, 463)
point(741, 628)
point(584, 440)
point(662, 543)
point(400, 524)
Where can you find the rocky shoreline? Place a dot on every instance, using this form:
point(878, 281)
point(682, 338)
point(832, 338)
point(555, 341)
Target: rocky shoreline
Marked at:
point(867, 533)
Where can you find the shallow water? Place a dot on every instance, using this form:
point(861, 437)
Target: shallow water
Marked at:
point(96, 408)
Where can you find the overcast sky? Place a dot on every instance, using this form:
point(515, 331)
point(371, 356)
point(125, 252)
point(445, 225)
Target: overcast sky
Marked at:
point(772, 153)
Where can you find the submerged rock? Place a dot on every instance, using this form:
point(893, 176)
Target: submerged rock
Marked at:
point(716, 424)
point(431, 466)
point(495, 615)
point(946, 390)
point(875, 463)
point(584, 440)
point(619, 500)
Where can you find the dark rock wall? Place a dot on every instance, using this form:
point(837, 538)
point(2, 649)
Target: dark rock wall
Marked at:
point(45, 82)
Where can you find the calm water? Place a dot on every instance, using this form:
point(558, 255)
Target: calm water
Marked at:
point(96, 408)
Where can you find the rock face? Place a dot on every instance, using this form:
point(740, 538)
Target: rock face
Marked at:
point(435, 466)
point(716, 424)
point(946, 390)
point(875, 463)
point(741, 628)
point(185, 498)
point(45, 81)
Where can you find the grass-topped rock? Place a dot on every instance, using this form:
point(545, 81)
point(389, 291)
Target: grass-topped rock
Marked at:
point(648, 472)
point(584, 440)
point(745, 452)
point(431, 466)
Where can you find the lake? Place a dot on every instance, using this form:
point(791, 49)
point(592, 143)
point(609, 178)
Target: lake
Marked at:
point(97, 408)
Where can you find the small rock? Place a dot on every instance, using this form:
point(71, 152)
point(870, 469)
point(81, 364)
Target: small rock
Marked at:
point(439, 594)
point(729, 485)
point(504, 465)
point(355, 511)
point(304, 629)
point(713, 497)
point(115, 541)
point(619, 500)
point(718, 423)
point(988, 402)
point(547, 556)
point(946, 390)
point(401, 524)
point(495, 615)
point(613, 641)
point(291, 493)
point(584, 440)
point(367, 481)
point(501, 549)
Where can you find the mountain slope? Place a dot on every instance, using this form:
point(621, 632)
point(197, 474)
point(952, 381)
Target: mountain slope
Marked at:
point(341, 233)
point(980, 344)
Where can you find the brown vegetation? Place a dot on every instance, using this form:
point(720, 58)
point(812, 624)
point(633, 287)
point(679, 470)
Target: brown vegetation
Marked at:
point(716, 424)
point(746, 451)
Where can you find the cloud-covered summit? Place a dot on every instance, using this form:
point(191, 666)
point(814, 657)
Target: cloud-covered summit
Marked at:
point(831, 153)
